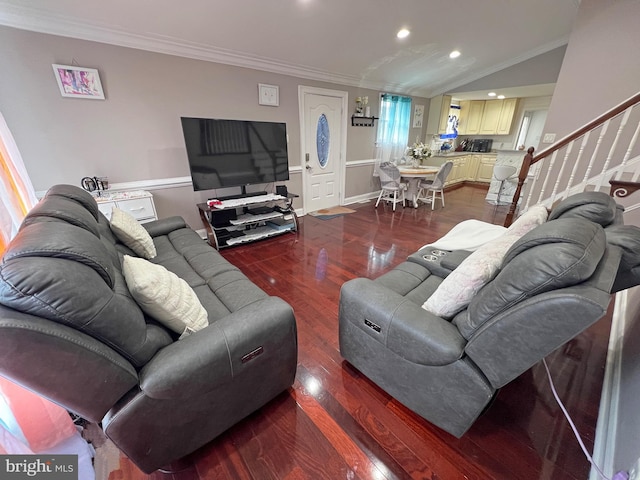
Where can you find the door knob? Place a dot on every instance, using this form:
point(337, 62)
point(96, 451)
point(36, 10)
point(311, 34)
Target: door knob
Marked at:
point(308, 167)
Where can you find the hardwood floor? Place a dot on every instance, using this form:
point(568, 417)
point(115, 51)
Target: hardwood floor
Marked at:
point(336, 424)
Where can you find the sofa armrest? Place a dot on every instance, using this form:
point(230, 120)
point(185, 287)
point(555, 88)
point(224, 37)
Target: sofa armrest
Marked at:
point(62, 364)
point(399, 324)
point(164, 225)
point(215, 355)
point(439, 262)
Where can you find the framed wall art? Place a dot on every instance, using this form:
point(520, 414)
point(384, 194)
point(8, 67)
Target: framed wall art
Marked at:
point(78, 82)
point(418, 115)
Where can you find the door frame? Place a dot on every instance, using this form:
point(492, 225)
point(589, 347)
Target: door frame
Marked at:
point(344, 96)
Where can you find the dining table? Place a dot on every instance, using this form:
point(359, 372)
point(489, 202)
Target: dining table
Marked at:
point(413, 176)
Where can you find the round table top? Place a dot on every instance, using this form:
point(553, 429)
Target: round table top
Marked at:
point(418, 171)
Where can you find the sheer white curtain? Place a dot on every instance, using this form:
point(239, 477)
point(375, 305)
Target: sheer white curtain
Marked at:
point(393, 128)
point(29, 423)
point(17, 196)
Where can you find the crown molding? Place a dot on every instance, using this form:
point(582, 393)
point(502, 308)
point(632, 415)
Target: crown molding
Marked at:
point(41, 21)
point(36, 20)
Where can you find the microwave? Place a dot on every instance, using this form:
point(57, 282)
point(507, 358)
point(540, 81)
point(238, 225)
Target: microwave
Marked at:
point(481, 145)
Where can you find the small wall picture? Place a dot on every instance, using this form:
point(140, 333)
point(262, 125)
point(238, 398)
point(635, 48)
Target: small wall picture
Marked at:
point(78, 82)
point(418, 115)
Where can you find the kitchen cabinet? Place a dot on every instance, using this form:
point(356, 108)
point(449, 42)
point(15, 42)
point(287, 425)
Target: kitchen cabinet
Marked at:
point(497, 116)
point(458, 171)
point(438, 114)
point(506, 116)
point(470, 117)
point(444, 114)
point(474, 167)
point(485, 168)
point(491, 117)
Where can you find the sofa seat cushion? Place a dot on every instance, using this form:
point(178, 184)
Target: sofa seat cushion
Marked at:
point(558, 254)
point(220, 286)
point(164, 296)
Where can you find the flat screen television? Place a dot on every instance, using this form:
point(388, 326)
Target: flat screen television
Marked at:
point(232, 153)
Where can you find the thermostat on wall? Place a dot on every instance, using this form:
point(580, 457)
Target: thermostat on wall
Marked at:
point(268, 95)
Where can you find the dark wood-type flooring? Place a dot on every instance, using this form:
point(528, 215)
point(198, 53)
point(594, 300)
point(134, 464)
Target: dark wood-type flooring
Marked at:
point(336, 424)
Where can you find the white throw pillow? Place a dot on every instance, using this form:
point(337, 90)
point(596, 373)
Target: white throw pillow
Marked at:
point(132, 234)
point(458, 289)
point(164, 296)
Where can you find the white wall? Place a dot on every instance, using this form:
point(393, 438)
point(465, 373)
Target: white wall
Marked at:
point(600, 68)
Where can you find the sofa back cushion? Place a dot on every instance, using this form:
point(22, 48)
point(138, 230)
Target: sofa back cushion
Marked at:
point(82, 197)
point(57, 267)
point(458, 289)
point(557, 254)
point(596, 207)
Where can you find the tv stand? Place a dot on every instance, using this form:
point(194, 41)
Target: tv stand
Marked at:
point(243, 222)
point(244, 194)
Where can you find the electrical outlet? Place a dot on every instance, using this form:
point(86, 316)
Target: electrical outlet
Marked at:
point(634, 471)
point(549, 138)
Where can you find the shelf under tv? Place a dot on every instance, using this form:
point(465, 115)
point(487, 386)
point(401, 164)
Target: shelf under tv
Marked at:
point(232, 224)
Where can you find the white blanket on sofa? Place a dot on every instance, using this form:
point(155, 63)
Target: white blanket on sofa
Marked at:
point(468, 235)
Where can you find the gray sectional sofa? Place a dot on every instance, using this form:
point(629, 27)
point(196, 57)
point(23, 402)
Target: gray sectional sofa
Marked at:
point(552, 283)
point(71, 331)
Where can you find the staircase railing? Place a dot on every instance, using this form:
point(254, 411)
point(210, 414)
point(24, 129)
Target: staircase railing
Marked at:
point(576, 163)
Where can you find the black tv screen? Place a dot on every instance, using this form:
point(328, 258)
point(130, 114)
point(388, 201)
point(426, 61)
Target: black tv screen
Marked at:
point(232, 153)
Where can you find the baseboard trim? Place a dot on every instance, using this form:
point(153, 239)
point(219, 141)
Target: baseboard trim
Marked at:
point(607, 425)
point(365, 197)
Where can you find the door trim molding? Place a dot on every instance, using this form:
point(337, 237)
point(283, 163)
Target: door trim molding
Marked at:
point(344, 96)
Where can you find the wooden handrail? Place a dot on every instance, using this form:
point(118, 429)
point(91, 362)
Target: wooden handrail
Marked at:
point(522, 176)
point(530, 159)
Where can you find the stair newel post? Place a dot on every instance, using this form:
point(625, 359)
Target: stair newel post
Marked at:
point(524, 171)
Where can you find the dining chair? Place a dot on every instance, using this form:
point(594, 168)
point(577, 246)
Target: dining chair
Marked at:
point(391, 185)
point(435, 186)
point(502, 173)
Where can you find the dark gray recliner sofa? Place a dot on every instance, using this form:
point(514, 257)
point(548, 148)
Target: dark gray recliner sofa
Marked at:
point(554, 282)
point(70, 331)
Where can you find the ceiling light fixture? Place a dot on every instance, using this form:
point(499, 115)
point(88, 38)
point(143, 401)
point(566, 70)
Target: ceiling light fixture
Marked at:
point(500, 97)
point(454, 54)
point(403, 33)
point(492, 94)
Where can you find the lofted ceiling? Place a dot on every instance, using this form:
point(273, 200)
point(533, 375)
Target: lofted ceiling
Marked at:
point(350, 42)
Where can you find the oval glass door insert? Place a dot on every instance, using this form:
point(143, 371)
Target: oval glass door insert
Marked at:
point(322, 140)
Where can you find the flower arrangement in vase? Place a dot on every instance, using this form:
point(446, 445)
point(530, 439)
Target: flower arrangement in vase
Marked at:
point(418, 152)
point(361, 106)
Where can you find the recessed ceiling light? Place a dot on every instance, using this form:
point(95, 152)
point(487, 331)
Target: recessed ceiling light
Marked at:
point(492, 94)
point(403, 33)
point(500, 97)
point(454, 54)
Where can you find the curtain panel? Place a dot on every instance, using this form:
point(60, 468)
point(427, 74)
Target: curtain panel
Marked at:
point(393, 128)
point(17, 195)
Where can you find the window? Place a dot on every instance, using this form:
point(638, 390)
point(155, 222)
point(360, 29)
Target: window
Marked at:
point(393, 127)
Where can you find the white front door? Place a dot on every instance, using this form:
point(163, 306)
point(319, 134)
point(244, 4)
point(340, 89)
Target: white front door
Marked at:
point(323, 126)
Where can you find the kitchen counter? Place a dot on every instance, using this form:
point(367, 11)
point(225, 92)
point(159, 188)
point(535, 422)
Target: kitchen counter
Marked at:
point(452, 154)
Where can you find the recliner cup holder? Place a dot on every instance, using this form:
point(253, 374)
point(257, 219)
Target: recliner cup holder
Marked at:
point(438, 253)
point(431, 258)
